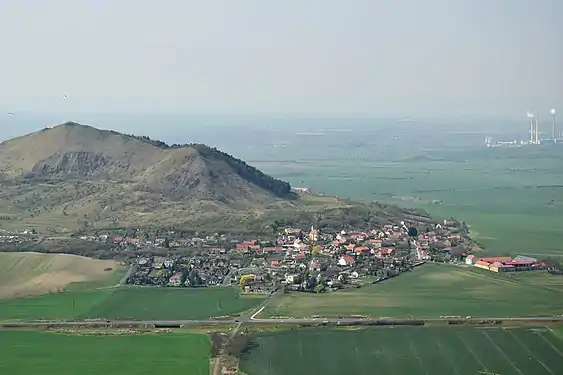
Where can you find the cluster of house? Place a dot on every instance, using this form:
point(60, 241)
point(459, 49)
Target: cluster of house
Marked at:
point(20, 237)
point(123, 240)
point(317, 262)
point(506, 264)
point(182, 271)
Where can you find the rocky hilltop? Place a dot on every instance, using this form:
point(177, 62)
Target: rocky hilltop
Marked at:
point(77, 152)
point(75, 177)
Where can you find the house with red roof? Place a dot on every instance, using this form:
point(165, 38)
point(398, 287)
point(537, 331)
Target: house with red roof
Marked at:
point(362, 250)
point(346, 260)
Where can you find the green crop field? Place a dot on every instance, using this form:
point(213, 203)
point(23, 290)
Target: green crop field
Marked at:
point(433, 290)
point(137, 303)
point(48, 353)
point(406, 351)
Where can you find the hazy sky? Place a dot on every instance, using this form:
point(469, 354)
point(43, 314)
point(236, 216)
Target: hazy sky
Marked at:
point(392, 57)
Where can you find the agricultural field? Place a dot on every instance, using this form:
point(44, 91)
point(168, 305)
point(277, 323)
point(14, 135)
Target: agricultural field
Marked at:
point(434, 290)
point(406, 350)
point(136, 303)
point(29, 274)
point(49, 353)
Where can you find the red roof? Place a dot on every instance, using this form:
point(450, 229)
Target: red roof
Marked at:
point(348, 259)
point(496, 259)
point(360, 249)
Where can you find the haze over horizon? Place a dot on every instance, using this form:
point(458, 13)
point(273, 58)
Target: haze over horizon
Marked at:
point(365, 58)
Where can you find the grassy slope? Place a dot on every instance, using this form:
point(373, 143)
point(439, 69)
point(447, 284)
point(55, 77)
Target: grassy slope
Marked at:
point(405, 350)
point(130, 303)
point(27, 352)
point(27, 274)
point(435, 290)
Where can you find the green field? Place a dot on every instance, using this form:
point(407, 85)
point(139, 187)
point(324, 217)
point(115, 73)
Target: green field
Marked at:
point(513, 204)
point(433, 290)
point(407, 351)
point(46, 353)
point(137, 303)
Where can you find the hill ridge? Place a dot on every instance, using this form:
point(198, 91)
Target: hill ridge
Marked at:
point(77, 178)
point(73, 150)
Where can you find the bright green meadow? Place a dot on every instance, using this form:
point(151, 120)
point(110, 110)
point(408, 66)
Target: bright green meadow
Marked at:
point(49, 353)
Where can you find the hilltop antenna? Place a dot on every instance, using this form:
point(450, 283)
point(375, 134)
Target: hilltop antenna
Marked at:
point(531, 116)
point(553, 133)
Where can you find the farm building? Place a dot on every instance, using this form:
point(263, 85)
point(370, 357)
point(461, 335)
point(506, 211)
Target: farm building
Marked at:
point(506, 264)
point(470, 260)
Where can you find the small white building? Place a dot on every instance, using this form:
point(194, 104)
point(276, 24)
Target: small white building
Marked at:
point(470, 260)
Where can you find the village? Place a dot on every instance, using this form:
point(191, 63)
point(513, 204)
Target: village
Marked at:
point(299, 260)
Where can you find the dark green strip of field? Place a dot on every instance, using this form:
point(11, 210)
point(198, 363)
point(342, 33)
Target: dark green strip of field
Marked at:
point(48, 353)
point(136, 303)
point(406, 351)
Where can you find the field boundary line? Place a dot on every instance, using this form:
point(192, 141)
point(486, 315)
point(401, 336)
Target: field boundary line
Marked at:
point(300, 351)
point(358, 357)
point(551, 344)
point(441, 350)
point(531, 353)
point(470, 350)
point(506, 357)
point(413, 350)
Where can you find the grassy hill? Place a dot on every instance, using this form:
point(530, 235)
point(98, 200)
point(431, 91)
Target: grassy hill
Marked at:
point(71, 177)
point(30, 274)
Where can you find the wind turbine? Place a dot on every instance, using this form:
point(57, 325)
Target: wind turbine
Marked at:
point(537, 135)
point(531, 117)
point(553, 134)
